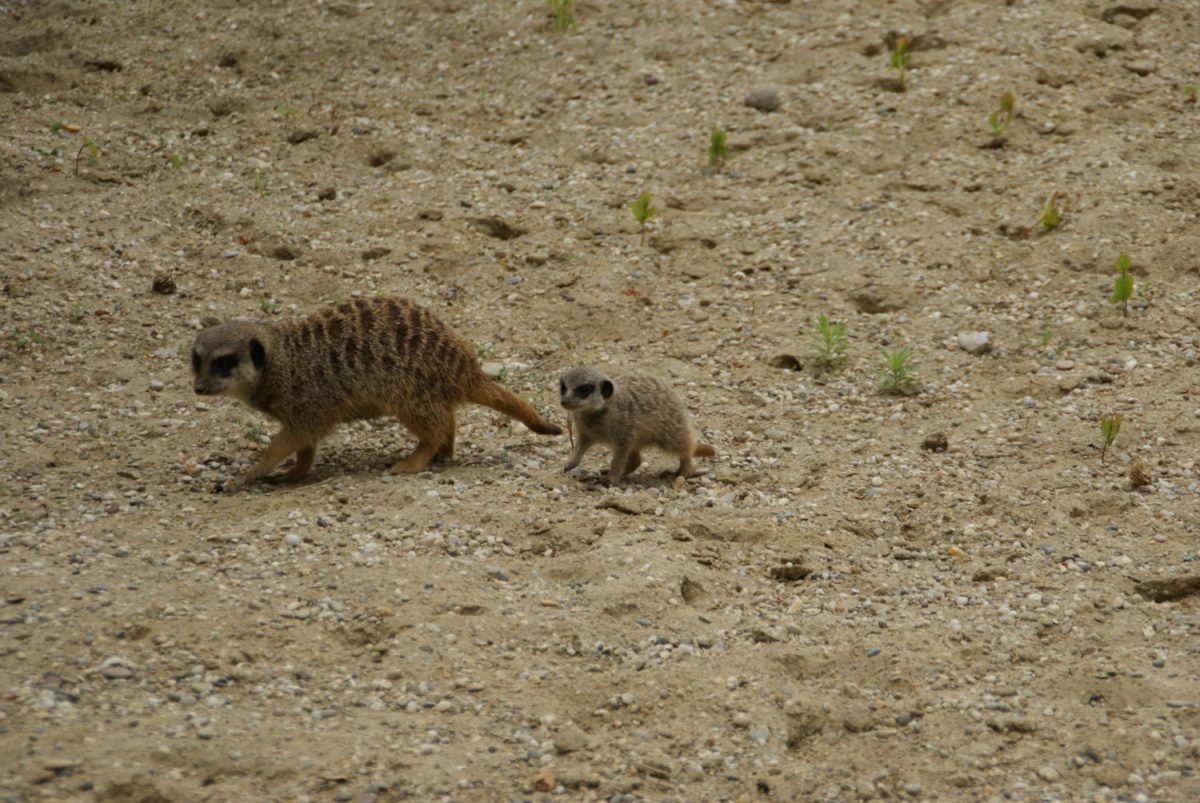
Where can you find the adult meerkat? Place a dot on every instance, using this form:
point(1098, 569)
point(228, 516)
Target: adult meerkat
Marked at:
point(627, 415)
point(361, 359)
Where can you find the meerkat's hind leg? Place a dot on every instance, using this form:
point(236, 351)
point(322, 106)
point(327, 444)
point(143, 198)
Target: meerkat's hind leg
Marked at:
point(685, 466)
point(635, 460)
point(304, 461)
point(431, 437)
point(446, 450)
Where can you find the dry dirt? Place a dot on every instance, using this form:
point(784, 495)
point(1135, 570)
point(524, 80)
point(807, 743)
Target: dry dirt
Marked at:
point(831, 611)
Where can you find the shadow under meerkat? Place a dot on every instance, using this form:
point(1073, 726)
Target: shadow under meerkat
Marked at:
point(361, 359)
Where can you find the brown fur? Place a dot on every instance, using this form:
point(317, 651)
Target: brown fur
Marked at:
point(361, 359)
point(627, 415)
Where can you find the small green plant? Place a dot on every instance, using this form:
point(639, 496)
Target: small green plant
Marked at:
point(643, 210)
point(176, 162)
point(563, 12)
point(285, 111)
point(829, 344)
point(1110, 425)
point(999, 119)
point(93, 150)
point(258, 183)
point(25, 342)
point(55, 126)
point(1051, 215)
point(898, 60)
point(1123, 284)
point(77, 312)
point(1190, 91)
point(269, 305)
point(257, 432)
point(1045, 332)
point(899, 372)
point(717, 152)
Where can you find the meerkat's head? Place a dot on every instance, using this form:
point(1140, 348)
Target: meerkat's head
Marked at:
point(584, 389)
point(229, 359)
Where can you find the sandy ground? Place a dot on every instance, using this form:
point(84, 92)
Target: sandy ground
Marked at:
point(833, 610)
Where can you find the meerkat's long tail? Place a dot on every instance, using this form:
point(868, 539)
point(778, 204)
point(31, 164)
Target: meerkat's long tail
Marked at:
point(704, 450)
point(492, 394)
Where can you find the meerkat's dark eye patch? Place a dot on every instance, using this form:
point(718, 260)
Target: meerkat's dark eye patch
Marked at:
point(562, 388)
point(583, 391)
point(606, 388)
point(226, 364)
point(195, 362)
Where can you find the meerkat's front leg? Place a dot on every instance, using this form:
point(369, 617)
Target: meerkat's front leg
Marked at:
point(581, 445)
point(622, 457)
point(281, 445)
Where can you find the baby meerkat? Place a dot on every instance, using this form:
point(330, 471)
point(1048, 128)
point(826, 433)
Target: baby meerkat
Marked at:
point(361, 359)
point(627, 415)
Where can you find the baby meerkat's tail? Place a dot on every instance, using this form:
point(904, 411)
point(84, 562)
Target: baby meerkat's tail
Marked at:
point(704, 450)
point(492, 394)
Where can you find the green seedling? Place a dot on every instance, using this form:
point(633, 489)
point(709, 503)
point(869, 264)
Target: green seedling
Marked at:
point(643, 210)
point(176, 162)
point(1110, 425)
point(1000, 118)
point(28, 340)
point(257, 432)
point(898, 60)
point(258, 183)
point(563, 12)
point(1052, 212)
point(77, 312)
point(1046, 332)
point(829, 344)
point(93, 149)
point(1123, 284)
point(717, 152)
point(286, 112)
point(899, 372)
point(1190, 91)
point(269, 306)
point(55, 125)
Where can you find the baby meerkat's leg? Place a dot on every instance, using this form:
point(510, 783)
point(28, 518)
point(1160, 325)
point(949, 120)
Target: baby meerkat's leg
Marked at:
point(304, 461)
point(634, 461)
point(621, 457)
point(281, 445)
point(582, 444)
point(685, 466)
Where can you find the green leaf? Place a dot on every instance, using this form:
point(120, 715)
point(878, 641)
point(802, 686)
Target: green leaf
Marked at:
point(1124, 263)
point(643, 210)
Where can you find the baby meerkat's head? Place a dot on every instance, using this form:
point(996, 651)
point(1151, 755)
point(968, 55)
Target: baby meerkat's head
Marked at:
point(228, 359)
point(584, 389)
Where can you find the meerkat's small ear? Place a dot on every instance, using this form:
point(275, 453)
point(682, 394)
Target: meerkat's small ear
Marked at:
point(606, 388)
point(258, 354)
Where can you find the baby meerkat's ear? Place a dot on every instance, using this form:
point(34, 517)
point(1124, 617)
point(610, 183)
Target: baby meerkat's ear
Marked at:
point(606, 388)
point(258, 354)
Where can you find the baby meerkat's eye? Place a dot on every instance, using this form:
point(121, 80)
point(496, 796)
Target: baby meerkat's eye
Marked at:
point(562, 388)
point(226, 364)
point(583, 391)
point(196, 362)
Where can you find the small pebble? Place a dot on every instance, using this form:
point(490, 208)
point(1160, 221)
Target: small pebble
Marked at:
point(764, 99)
